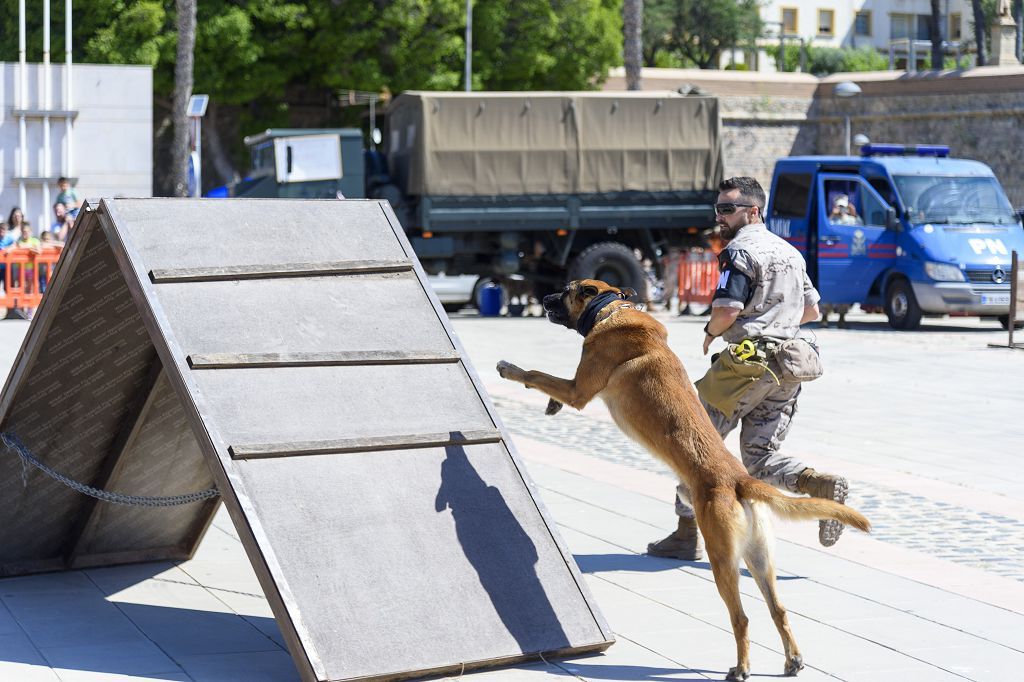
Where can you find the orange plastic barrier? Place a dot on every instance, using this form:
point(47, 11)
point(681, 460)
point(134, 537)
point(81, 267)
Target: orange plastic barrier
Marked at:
point(26, 275)
point(697, 281)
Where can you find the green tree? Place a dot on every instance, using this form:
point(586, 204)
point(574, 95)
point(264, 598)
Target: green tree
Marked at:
point(544, 44)
point(698, 31)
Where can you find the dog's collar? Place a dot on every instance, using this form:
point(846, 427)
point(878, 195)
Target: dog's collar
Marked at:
point(588, 318)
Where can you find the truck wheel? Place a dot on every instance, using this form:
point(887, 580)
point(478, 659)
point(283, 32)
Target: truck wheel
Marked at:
point(613, 263)
point(901, 306)
point(1005, 321)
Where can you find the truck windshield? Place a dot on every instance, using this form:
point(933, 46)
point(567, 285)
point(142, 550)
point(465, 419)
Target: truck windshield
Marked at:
point(946, 199)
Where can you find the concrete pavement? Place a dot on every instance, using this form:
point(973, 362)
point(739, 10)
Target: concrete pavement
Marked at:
point(926, 425)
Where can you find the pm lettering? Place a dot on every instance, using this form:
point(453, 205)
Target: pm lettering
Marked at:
point(993, 246)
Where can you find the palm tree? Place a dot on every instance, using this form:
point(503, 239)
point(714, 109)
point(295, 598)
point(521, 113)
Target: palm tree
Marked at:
point(182, 91)
point(979, 31)
point(632, 30)
point(935, 29)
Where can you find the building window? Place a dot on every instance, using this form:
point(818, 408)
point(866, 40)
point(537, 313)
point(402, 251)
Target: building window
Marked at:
point(899, 25)
point(862, 23)
point(924, 27)
point(789, 21)
point(954, 26)
point(826, 23)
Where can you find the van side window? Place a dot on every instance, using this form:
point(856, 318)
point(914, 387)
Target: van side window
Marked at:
point(792, 192)
point(884, 189)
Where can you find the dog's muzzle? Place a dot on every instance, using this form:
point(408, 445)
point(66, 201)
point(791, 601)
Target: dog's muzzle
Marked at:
point(555, 309)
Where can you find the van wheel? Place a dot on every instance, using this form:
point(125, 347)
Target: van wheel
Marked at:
point(901, 306)
point(613, 263)
point(1005, 321)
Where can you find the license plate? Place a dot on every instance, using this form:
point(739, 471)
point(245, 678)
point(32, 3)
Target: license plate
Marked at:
point(995, 299)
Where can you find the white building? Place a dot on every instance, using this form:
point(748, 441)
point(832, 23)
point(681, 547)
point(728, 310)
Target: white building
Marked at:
point(860, 24)
point(96, 130)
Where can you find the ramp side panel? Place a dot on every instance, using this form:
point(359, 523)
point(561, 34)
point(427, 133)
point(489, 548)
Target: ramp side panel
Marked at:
point(315, 314)
point(164, 459)
point(417, 559)
point(219, 233)
point(70, 405)
point(93, 362)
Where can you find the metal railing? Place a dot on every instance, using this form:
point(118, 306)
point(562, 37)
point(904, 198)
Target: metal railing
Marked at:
point(912, 48)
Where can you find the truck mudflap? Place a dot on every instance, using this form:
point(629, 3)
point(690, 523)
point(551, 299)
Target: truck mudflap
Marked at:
point(962, 297)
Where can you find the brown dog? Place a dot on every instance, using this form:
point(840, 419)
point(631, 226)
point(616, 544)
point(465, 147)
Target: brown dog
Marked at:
point(627, 362)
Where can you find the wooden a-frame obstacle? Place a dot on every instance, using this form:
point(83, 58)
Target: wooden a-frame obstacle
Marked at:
point(291, 355)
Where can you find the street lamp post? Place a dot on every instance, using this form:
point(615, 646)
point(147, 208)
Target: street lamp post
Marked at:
point(846, 90)
point(196, 110)
point(469, 45)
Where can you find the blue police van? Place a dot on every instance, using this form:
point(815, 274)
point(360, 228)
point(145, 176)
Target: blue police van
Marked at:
point(902, 228)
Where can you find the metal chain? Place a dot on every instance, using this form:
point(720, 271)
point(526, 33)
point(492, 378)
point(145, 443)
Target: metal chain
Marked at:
point(12, 442)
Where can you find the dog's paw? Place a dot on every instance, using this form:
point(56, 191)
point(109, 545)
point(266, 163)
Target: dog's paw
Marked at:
point(738, 674)
point(794, 665)
point(506, 370)
point(553, 407)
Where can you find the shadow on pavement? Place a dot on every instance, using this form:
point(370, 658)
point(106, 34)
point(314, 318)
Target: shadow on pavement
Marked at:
point(641, 563)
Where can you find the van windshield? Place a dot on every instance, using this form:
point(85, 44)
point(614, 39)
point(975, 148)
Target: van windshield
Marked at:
point(948, 199)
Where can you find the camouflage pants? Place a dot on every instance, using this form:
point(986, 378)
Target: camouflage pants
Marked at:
point(766, 411)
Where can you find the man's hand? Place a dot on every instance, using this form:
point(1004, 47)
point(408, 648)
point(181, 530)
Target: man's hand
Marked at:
point(707, 342)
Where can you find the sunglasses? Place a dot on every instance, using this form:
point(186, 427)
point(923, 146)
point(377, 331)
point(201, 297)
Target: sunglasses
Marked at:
point(729, 209)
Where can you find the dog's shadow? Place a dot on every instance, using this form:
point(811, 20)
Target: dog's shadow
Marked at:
point(643, 563)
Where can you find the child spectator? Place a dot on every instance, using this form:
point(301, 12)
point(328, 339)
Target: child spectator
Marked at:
point(65, 232)
point(68, 196)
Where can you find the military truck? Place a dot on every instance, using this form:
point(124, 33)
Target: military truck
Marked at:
point(541, 186)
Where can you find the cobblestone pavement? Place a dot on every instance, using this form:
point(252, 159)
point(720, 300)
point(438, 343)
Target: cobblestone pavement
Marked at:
point(982, 540)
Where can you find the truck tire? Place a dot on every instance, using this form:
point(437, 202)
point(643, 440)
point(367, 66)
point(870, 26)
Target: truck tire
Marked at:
point(613, 263)
point(1003, 320)
point(901, 306)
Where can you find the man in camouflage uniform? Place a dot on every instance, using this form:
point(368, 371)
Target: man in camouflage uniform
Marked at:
point(763, 292)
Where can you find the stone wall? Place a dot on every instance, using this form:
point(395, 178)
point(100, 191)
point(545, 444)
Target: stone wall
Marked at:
point(979, 113)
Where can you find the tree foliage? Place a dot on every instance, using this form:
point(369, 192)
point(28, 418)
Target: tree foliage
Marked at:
point(270, 63)
point(698, 31)
point(822, 61)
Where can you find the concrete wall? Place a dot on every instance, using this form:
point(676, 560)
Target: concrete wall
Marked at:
point(111, 143)
point(979, 113)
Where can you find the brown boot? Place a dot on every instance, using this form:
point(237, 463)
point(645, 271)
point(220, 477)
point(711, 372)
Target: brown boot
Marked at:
point(684, 543)
point(826, 487)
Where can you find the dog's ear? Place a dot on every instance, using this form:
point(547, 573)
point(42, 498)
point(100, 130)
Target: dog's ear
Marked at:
point(590, 291)
point(627, 292)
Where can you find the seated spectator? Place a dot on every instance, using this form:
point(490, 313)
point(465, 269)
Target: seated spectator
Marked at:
point(68, 196)
point(843, 212)
point(46, 239)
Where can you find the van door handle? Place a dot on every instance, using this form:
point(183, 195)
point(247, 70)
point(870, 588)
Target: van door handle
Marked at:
point(831, 239)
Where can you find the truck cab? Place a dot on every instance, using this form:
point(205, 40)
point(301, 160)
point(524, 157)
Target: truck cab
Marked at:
point(902, 228)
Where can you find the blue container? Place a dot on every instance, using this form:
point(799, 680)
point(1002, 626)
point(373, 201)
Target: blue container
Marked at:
point(490, 300)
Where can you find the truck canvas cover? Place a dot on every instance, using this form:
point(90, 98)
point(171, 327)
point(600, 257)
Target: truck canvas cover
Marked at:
point(514, 143)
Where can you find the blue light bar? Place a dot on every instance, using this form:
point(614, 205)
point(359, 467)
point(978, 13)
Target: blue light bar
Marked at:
point(936, 150)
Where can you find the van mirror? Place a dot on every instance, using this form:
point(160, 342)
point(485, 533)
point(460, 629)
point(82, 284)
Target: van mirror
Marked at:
point(892, 221)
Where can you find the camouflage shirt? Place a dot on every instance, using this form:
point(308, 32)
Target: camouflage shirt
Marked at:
point(765, 278)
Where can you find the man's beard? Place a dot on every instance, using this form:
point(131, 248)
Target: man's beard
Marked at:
point(729, 232)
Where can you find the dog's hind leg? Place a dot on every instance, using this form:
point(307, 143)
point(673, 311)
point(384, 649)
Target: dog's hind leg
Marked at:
point(758, 557)
point(722, 529)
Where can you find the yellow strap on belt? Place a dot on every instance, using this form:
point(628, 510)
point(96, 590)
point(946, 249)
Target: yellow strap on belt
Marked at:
point(745, 350)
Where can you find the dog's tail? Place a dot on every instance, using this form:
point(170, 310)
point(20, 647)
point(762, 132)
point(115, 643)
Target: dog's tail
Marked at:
point(800, 508)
